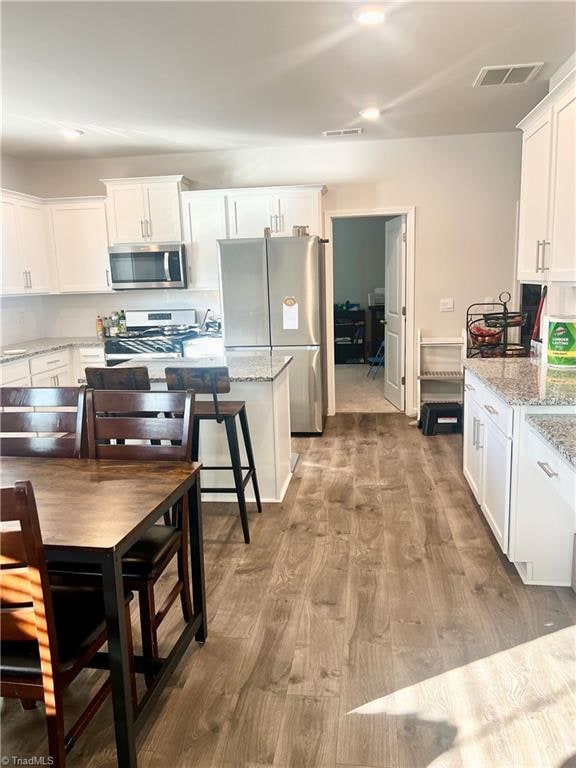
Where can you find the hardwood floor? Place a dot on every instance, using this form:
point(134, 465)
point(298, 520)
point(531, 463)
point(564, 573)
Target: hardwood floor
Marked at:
point(370, 624)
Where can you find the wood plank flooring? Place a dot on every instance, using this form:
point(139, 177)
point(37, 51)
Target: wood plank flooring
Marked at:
point(370, 624)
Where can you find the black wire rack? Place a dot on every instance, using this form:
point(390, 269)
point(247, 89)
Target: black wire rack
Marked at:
point(488, 326)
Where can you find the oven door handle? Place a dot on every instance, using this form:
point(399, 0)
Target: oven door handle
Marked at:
point(167, 265)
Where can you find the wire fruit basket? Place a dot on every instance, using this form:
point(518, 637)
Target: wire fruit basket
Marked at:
point(488, 329)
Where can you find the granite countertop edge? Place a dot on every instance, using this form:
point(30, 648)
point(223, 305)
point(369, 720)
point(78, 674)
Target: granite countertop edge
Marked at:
point(42, 346)
point(561, 393)
point(558, 431)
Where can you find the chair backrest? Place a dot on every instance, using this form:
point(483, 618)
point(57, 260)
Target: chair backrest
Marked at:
point(25, 597)
point(204, 380)
point(42, 421)
point(142, 416)
point(118, 378)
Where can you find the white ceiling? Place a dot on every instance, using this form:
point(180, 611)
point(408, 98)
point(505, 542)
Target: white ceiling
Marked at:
point(156, 77)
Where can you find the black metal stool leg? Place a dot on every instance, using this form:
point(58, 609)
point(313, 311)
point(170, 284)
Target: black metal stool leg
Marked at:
point(250, 455)
point(195, 439)
point(232, 435)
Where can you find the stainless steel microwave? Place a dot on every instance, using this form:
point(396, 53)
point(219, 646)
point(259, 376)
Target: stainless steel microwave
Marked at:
point(148, 266)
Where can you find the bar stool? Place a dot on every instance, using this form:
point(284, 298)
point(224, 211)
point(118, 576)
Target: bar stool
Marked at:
point(214, 381)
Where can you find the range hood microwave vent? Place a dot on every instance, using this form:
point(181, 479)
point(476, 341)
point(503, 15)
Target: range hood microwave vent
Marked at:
point(508, 74)
point(343, 132)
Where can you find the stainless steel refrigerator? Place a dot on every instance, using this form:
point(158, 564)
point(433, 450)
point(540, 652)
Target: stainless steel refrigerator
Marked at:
point(272, 292)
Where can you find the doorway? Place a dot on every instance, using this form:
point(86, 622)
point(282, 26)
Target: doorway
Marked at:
point(369, 310)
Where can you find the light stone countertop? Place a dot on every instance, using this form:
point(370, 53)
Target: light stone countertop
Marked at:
point(243, 367)
point(558, 431)
point(522, 381)
point(43, 346)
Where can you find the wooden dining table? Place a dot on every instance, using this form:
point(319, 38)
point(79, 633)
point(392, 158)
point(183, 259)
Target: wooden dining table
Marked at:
point(93, 511)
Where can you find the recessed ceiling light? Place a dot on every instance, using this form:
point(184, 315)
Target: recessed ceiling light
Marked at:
point(71, 134)
point(369, 16)
point(371, 113)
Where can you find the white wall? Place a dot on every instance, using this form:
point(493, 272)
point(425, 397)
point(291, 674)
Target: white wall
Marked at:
point(358, 251)
point(464, 188)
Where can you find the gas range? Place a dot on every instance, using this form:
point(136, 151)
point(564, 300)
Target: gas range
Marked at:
point(164, 333)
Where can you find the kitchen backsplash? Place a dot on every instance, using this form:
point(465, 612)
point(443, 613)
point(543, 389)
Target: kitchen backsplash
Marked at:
point(33, 317)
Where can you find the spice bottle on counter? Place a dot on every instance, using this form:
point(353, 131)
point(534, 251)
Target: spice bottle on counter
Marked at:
point(106, 324)
point(99, 327)
point(114, 323)
point(122, 322)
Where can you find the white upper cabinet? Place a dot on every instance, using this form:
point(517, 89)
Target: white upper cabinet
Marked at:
point(563, 201)
point(25, 253)
point(34, 243)
point(547, 205)
point(204, 223)
point(13, 274)
point(534, 199)
point(80, 245)
point(299, 208)
point(251, 211)
point(212, 215)
point(144, 210)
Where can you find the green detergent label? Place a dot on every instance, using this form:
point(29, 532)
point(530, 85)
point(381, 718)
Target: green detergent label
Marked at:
point(561, 343)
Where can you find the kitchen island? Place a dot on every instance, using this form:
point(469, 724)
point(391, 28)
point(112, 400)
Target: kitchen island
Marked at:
point(261, 380)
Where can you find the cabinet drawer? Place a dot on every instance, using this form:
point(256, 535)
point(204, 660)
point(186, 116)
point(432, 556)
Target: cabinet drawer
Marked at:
point(544, 461)
point(490, 404)
point(90, 355)
point(14, 373)
point(49, 362)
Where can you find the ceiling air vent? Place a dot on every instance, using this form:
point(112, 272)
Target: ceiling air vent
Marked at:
point(508, 74)
point(343, 132)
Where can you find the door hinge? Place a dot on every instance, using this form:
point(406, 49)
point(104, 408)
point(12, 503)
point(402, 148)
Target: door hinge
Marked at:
point(403, 237)
point(403, 311)
point(403, 380)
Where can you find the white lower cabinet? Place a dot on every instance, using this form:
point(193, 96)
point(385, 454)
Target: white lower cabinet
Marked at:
point(496, 475)
point(525, 490)
point(472, 450)
point(487, 459)
point(544, 531)
point(60, 377)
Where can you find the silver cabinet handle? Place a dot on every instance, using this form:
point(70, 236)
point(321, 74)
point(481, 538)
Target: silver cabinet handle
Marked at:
point(478, 446)
point(25, 273)
point(491, 410)
point(272, 223)
point(475, 431)
point(29, 279)
point(52, 362)
point(547, 469)
point(538, 244)
point(148, 227)
point(108, 277)
point(144, 232)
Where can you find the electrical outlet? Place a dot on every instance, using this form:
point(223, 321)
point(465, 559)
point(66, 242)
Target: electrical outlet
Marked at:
point(447, 305)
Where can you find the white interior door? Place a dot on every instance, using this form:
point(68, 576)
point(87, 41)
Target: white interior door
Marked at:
point(394, 290)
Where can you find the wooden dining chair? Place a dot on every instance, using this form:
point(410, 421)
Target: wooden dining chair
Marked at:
point(111, 416)
point(49, 633)
point(210, 380)
point(56, 430)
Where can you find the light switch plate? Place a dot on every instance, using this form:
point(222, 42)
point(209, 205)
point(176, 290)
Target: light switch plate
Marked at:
point(447, 305)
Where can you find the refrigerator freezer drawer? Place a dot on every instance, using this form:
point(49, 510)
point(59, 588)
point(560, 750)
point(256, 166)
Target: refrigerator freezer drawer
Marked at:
point(306, 390)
